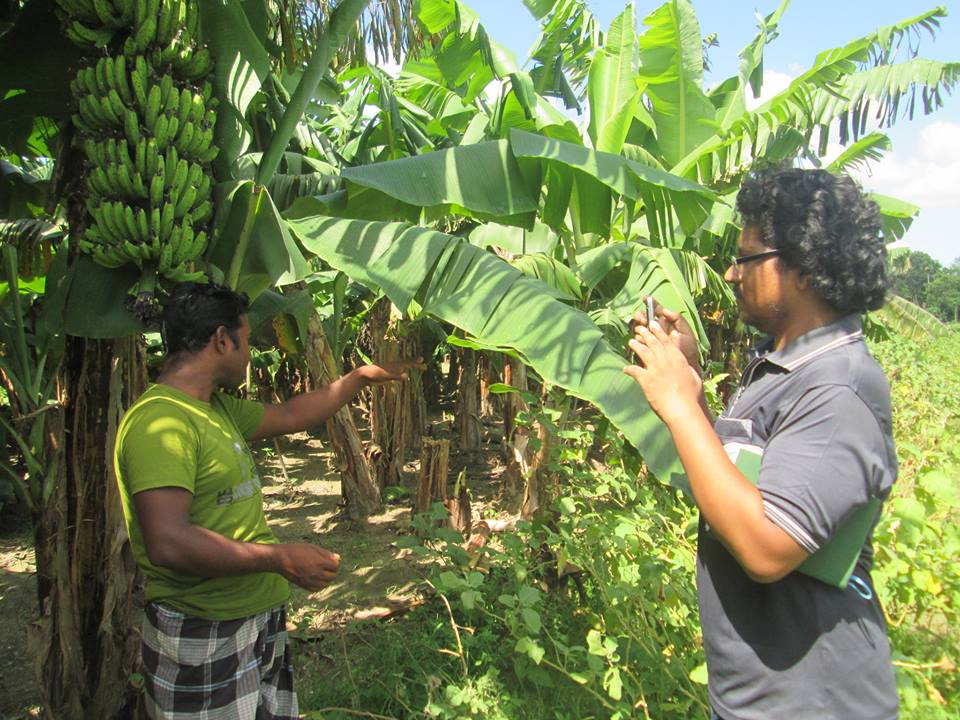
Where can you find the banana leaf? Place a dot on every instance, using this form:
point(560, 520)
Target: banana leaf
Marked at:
point(909, 320)
point(474, 290)
point(482, 180)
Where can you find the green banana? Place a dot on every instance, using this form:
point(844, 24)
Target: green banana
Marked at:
point(204, 187)
point(160, 132)
point(185, 138)
point(107, 258)
point(100, 76)
point(201, 141)
point(166, 221)
point(130, 223)
point(153, 158)
point(199, 246)
point(132, 253)
point(166, 87)
point(121, 81)
point(194, 175)
point(143, 227)
point(97, 180)
point(174, 240)
point(179, 183)
point(146, 33)
point(141, 158)
point(186, 201)
point(156, 190)
point(153, 107)
point(173, 125)
point(117, 106)
point(81, 123)
point(208, 155)
point(170, 162)
point(86, 36)
point(90, 111)
point(104, 11)
point(113, 177)
point(202, 213)
point(192, 22)
point(166, 257)
point(131, 127)
point(126, 181)
point(110, 115)
point(138, 79)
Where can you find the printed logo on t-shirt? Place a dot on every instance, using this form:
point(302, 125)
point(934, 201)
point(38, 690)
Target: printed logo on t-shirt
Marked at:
point(239, 492)
point(251, 480)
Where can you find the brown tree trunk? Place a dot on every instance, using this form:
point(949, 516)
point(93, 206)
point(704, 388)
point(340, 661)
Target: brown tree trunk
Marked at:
point(387, 417)
point(85, 643)
point(461, 517)
point(359, 489)
point(489, 402)
point(516, 438)
point(468, 402)
point(536, 488)
point(432, 484)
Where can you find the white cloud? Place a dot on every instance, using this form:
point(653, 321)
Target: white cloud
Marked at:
point(773, 83)
point(929, 177)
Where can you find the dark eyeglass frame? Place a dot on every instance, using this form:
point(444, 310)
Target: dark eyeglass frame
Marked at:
point(743, 259)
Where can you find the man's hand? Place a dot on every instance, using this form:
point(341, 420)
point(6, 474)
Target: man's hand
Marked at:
point(676, 328)
point(388, 371)
point(309, 566)
point(671, 385)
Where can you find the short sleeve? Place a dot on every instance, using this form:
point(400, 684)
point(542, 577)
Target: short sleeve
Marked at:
point(247, 414)
point(158, 449)
point(824, 461)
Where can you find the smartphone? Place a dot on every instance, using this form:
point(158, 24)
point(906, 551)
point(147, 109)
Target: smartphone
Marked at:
point(651, 315)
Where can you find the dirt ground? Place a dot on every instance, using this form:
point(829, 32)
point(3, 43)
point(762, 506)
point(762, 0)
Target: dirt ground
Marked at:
point(376, 578)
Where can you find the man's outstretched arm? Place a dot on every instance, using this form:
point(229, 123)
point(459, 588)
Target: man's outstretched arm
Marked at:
point(308, 410)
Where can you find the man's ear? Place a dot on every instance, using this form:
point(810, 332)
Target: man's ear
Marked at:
point(221, 339)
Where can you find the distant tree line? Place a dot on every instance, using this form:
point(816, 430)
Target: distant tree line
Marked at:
point(924, 281)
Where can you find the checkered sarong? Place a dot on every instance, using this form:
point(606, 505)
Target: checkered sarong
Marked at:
point(197, 669)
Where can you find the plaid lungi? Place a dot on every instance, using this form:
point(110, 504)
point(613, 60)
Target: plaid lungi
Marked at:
point(197, 669)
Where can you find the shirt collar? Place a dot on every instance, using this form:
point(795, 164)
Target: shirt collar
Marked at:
point(805, 348)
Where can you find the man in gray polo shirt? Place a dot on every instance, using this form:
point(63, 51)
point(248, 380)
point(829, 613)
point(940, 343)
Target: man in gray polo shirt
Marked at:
point(814, 407)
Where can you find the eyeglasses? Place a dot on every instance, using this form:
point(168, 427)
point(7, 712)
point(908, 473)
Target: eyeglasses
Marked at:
point(737, 262)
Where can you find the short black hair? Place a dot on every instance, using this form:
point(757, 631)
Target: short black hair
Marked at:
point(824, 226)
point(193, 312)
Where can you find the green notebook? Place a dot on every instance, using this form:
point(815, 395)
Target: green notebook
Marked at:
point(835, 561)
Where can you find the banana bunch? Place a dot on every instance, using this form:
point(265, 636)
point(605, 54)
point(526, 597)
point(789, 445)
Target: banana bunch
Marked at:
point(146, 118)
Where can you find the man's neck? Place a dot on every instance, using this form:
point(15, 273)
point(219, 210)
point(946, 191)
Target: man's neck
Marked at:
point(803, 319)
point(189, 379)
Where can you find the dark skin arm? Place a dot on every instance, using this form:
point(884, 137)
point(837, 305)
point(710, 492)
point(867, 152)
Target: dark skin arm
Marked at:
point(173, 542)
point(308, 410)
point(730, 503)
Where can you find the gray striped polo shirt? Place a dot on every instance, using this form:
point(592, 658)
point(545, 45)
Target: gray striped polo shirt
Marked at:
point(818, 413)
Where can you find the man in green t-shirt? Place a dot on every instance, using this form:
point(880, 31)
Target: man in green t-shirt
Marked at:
point(216, 577)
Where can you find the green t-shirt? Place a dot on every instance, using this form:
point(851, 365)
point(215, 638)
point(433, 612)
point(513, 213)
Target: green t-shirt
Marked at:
point(169, 439)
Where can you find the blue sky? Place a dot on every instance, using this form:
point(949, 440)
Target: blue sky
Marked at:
point(924, 166)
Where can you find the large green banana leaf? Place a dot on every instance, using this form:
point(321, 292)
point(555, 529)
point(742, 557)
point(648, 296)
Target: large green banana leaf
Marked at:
point(909, 320)
point(664, 196)
point(496, 303)
point(612, 86)
point(241, 66)
point(484, 180)
point(671, 62)
point(897, 215)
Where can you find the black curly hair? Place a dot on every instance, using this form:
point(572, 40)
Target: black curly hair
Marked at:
point(194, 311)
point(824, 226)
